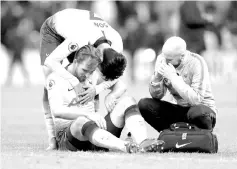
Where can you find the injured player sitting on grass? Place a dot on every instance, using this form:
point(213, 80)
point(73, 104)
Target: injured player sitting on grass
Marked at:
point(81, 127)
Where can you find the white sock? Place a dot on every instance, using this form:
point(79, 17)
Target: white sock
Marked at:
point(136, 125)
point(102, 138)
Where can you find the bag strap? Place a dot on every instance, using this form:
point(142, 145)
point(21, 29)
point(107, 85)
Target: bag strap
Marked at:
point(183, 126)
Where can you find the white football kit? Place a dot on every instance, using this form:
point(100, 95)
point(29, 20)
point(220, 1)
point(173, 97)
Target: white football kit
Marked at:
point(64, 33)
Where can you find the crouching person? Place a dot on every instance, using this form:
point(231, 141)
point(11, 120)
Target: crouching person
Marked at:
point(184, 77)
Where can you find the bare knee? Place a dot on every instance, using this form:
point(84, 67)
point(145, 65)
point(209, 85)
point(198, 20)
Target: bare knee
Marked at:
point(124, 103)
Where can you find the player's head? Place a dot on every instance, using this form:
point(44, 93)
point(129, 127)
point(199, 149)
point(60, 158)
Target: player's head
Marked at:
point(86, 60)
point(113, 64)
point(174, 50)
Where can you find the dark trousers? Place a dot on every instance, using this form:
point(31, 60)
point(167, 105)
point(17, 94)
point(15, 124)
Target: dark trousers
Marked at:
point(161, 114)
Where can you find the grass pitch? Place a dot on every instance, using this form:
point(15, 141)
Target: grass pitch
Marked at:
point(24, 137)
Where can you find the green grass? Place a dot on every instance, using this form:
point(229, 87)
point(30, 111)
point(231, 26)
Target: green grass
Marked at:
point(24, 138)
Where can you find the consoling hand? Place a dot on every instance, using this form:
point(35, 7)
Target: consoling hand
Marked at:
point(110, 102)
point(98, 119)
point(88, 95)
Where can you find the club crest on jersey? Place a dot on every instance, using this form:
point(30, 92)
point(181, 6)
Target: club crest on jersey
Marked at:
point(72, 47)
point(51, 84)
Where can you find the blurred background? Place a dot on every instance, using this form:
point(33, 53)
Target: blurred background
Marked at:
point(209, 28)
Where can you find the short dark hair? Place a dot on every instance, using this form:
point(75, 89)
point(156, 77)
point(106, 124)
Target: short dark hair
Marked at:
point(113, 64)
point(88, 51)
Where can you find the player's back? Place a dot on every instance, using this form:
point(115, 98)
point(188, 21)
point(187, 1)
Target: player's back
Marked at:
point(72, 22)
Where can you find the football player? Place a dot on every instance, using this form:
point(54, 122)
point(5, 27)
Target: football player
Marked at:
point(64, 33)
point(79, 127)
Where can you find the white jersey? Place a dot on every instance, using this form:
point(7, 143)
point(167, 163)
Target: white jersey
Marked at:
point(77, 28)
point(60, 92)
point(85, 26)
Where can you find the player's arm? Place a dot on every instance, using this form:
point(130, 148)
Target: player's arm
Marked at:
point(57, 88)
point(53, 61)
point(77, 37)
point(103, 85)
point(118, 89)
point(98, 86)
point(157, 88)
point(194, 94)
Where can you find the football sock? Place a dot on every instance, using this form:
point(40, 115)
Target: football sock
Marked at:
point(135, 124)
point(116, 131)
point(102, 138)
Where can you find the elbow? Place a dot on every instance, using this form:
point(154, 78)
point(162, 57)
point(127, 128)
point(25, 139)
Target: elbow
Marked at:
point(196, 101)
point(156, 94)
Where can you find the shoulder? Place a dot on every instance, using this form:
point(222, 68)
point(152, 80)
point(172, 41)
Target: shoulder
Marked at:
point(72, 13)
point(117, 42)
point(56, 81)
point(70, 22)
point(197, 64)
point(197, 60)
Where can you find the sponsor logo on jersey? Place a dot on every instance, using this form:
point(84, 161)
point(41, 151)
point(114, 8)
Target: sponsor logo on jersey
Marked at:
point(72, 47)
point(70, 89)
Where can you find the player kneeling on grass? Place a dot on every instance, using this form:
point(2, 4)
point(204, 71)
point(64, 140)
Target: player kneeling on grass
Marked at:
point(184, 76)
point(79, 127)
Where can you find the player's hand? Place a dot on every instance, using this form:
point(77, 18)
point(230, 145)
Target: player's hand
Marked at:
point(167, 70)
point(78, 88)
point(88, 95)
point(52, 144)
point(110, 102)
point(98, 119)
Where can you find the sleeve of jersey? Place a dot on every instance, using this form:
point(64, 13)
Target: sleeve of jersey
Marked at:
point(75, 39)
point(55, 87)
point(157, 88)
point(193, 94)
point(117, 42)
point(61, 52)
